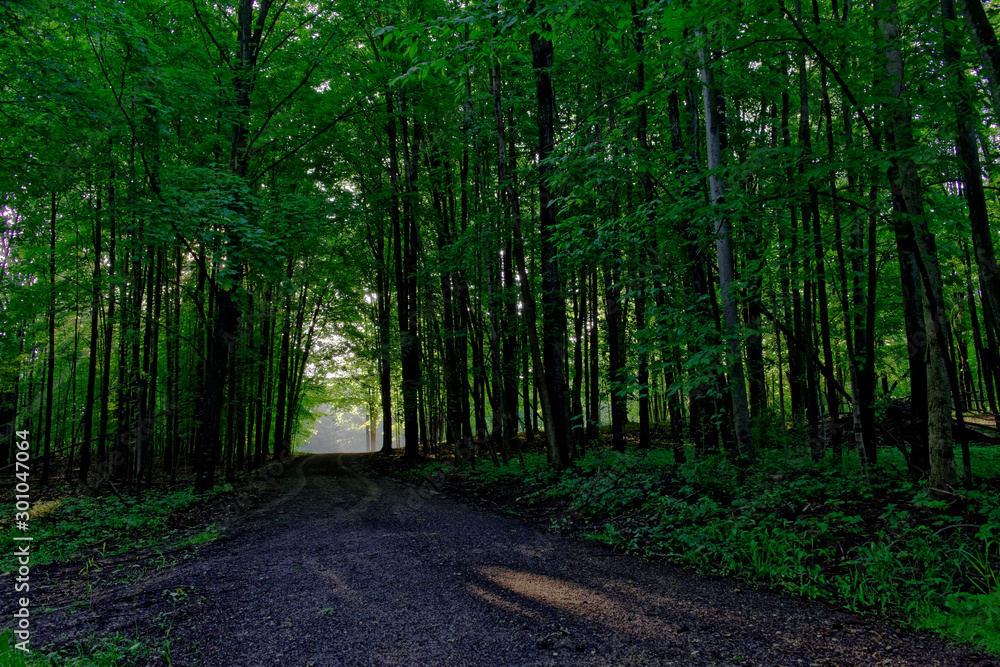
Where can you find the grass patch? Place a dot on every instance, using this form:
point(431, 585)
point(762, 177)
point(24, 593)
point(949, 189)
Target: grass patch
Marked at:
point(117, 651)
point(90, 531)
point(72, 528)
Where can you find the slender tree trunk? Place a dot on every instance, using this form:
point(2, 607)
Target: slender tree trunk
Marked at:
point(792, 298)
point(972, 171)
point(304, 345)
point(409, 344)
point(617, 382)
point(983, 357)
point(594, 349)
point(975, 196)
point(95, 309)
point(263, 365)
point(578, 420)
point(849, 340)
point(109, 327)
point(453, 388)
point(172, 445)
point(724, 251)
point(642, 374)
point(225, 332)
point(385, 365)
point(282, 448)
point(985, 38)
point(529, 431)
point(554, 397)
point(702, 430)
point(504, 404)
point(50, 380)
point(908, 201)
point(495, 389)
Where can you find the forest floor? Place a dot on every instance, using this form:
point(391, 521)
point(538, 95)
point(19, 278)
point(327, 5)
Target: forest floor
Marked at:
point(336, 564)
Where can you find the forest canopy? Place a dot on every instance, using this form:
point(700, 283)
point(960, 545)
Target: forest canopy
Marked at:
point(583, 220)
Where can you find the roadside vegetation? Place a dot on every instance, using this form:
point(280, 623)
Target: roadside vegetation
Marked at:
point(109, 537)
point(73, 527)
point(117, 651)
point(879, 542)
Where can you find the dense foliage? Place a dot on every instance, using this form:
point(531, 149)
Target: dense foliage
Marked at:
point(489, 212)
point(726, 221)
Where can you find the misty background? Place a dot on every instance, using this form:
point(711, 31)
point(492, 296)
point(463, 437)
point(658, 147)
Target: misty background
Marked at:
point(342, 433)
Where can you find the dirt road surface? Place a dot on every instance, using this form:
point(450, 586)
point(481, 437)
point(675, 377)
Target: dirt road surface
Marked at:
point(343, 567)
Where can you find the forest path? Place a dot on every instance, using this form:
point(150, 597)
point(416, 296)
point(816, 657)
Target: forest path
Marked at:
point(343, 567)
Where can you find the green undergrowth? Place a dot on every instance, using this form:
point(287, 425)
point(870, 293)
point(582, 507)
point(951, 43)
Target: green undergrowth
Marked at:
point(120, 650)
point(877, 542)
point(79, 527)
point(91, 531)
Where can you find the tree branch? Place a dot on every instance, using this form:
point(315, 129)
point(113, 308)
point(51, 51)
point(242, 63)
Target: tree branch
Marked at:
point(836, 75)
point(222, 52)
point(317, 134)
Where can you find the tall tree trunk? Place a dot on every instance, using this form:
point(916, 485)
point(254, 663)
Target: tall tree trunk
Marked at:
point(263, 365)
point(702, 430)
point(985, 38)
point(283, 448)
point(553, 305)
point(385, 365)
point(792, 298)
point(109, 327)
point(972, 172)
point(805, 317)
point(497, 295)
point(172, 445)
point(578, 420)
point(527, 382)
point(95, 309)
point(226, 317)
point(47, 432)
point(593, 348)
point(642, 374)
point(868, 377)
point(495, 389)
point(617, 381)
point(452, 386)
point(724, 252)
point(984, 358)
point(975, 196)
point(755, 342)
point(849, 340)
point(409, 343)
point(908, 201)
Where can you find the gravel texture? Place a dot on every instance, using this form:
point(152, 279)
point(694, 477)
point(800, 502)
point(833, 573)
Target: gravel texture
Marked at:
point(341, 566)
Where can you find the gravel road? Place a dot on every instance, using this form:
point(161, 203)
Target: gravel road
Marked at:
point(344, 567)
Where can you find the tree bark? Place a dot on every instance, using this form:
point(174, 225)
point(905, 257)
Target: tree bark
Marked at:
point(907, 197)
point(617, 382)
point(51, 363)
point(553, 305)
point(409, 344)
point(724, 252)
point(95, 308)
point(642, 373)
point(975, 196)
point(985, 38)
